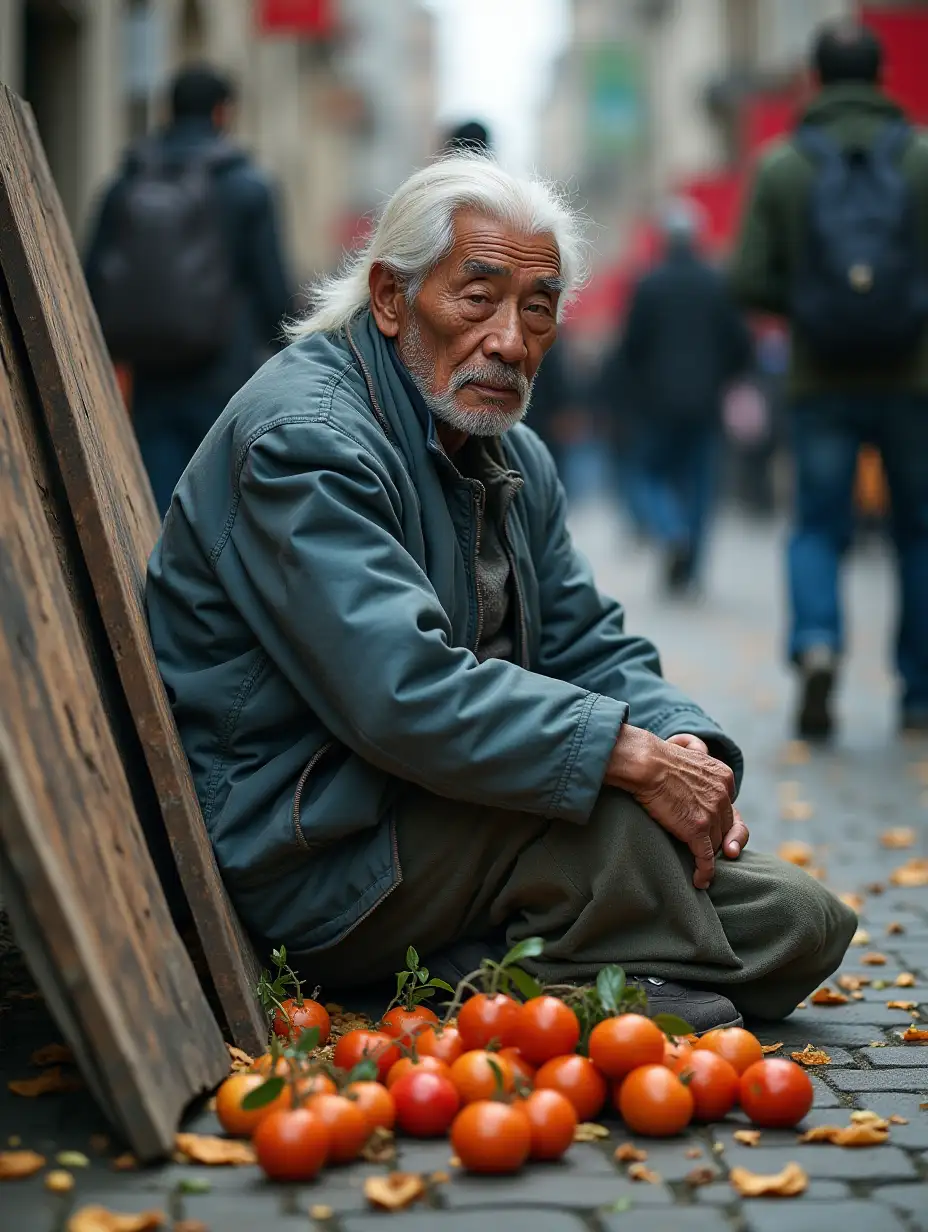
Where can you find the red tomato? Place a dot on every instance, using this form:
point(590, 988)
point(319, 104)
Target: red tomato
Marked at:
point(291, 1144)
point(653, 1101)
point(552, 1119)
point(545, 1028)
point(291, 1020)
point(375, 1101)
point(776, 1093)
point(713, 1084)
point(445, 1044)
point(619, 1045)
point(346, 1123)
point(578, 1080)
point(475, 1075)
point(676, 1052)
point(486, 1018)
point(426, 1103)
point(520, 1067)
point(405, 1024)
point(361, 1045)
point(407, 1065)
point(488, 1136)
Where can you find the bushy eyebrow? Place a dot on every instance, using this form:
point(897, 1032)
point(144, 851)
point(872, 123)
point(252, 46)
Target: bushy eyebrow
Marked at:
point(553, 284)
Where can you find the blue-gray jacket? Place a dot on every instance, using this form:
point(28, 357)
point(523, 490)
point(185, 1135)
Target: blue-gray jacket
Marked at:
point(313, 610)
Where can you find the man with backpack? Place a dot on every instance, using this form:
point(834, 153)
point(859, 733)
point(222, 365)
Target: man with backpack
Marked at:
point(186, 272)
point(835, 238)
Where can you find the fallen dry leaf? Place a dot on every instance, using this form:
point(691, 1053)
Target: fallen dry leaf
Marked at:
point(628, 1153)
point(206, 1149)
point(319, 1211)
point(857, 996)
point(896, 1119)
point(898, 837)
point(439, 1178)
point(239, 1060)
point(915, 1035)
point(794, 753)
point(125, 1162)
point(99, 1219)
point(52, 1054)
point(17, 1164)
point(380, 1147)
point(866, 1134)
point(796, 853)
point(875, 887)
point(873, 959)
point(818, 873)
point(693, 1153)
point(796, 810)
point(811, 1056)
point(911, 874)
point(747, 1137)
point(638, 1172)
point(827, 996)
point(894, 928)
point(866, 1116)
point(861, 937)
point(701, 1176)
point(589, 1131)
point(852, 983)
point(59, 1181)
point(190, 1225)
point(48, 1082)
point(766, 1049)
point(395, 1191)
point(856, 902)
point(789, 1183)
point(905, 979)
point(902, 1005)
point(802, 1006)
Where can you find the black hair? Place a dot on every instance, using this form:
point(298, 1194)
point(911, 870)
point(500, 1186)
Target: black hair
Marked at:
point(198, 90)
point(471, 135)
point(846, 51)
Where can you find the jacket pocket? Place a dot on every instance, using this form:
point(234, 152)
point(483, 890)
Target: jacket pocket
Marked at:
point(313, 766)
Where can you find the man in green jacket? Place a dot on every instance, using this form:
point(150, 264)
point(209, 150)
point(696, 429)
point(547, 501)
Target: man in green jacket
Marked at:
point(838, 404)
point(410, 715)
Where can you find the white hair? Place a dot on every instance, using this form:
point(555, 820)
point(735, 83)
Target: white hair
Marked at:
point(415, 231)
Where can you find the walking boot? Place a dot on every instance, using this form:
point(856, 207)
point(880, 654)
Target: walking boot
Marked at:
point(817, 668)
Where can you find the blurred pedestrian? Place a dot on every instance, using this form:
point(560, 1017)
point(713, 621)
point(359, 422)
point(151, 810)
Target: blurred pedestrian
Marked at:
point(470, 137)
point(684, 343)
point(186, 272)
point(834, 238)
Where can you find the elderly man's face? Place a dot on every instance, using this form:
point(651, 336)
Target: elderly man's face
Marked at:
point(480, 325)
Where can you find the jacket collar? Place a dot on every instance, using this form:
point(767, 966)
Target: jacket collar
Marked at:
point(850, 98)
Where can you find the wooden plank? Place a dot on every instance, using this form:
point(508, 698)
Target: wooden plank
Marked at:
point(84, 896)
point(116, 521)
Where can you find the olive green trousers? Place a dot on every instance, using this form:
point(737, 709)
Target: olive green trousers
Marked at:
point(618, 889)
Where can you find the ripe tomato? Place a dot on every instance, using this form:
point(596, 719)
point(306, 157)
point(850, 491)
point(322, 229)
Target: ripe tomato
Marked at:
point(291, 1020)
point(375, 1102)
point(653, 1101)
point(520, 1067)
point(405, 1025)
point(488, 1136)
point(406, 1065)
point(552, 1120)
point(619, 1045)
point(346, 1123)
point(578, 1079)
point(445, 1044)
point(676, 1053)
point(776, 1093)
point(739, 1047)
point(485, 1018)
point(315, 1084)
point(545, 1028)
point(475, 1078)
point(712, 1082)
point(263, 1065)
point(291, 1144)
point(361, 1045)
point(236, 1120)
point(426, 1103)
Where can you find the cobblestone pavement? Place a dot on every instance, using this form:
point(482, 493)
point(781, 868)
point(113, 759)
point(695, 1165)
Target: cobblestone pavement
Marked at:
point(725, 651)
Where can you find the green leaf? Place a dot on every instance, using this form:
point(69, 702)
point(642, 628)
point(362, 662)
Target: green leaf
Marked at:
point(402, 977)
point(282, 954)
point(670, 1024)
point(531, 947)
point(422, 994)
point(364, 1071)
point(309, 1039)
point(422, 974)
point(617, 1207)
point(265, 1094)
point(412, 959)
point(193, 1185)
point(500, 1086)
point(435, 982)
point(527, 985)
point(610, 984)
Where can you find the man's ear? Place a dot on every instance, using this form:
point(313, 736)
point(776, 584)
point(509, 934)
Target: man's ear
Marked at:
point(387, 299)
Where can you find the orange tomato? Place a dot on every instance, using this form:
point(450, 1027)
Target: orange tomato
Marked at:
point(677, 1053)
point(291, 1144)
point(488, 1136)
point(552, 1120)
point(578, 1080)
point(408, 1065)
point(443, 1043)
point(376, 1103)
point(739, 1047)
point(347, 1126)
point(776, 1093)
point(474, 1075)
point(485, 1018)
point(653, 1101)
point(291, 1019)
point(315, 1084)
point(520, 1067)
point(545, 1028)
point(712, 1082)
point(360, 1045)
point(263, 1065)
point(236, 1120)
point(405, 1024)
point(619, 1045)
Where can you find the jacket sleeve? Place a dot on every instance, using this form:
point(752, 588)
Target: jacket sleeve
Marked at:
point(759, 270)
point(354, 624)
point(584, 641)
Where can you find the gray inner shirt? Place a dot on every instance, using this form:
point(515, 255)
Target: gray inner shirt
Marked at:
point(493, 580)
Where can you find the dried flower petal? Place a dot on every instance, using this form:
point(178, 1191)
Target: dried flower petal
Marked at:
point(866, 1116)
point(395, 1191)
point(905, 979)
point(902, 1005)
point(811, 1056)
point(827, 996)
point(896, 1119)
point(789, 1183)
point(861, 937)
point(915, 1035)
point(693, 1153)
point(59, 1181)
point(628, 1153)
point(52, 1054)
point(701, 1176)
point(747, 1137)
point(911, 874)
point(380, 1147)
point(874, 960)
point(99, 1219)
point(796, 853)
point(638, 1172)
point(894, 928)
point(16, 1164)
point(852, 983)
point(439, 1178)
point(206, 1149)
point(239, 1060)
point(856, 902)
point(898, 838)
point(588, 1131)
point(319, 1211)
point(49, 1081)
point(866, 1129)
point(125, 1162)
point(766, 1049)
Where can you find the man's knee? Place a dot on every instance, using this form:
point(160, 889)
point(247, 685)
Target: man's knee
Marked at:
point(829, 924)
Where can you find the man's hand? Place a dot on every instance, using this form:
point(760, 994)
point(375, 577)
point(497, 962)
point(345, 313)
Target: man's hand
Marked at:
point(685, 790)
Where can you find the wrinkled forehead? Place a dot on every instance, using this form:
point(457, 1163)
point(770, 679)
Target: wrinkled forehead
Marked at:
point(486, 247)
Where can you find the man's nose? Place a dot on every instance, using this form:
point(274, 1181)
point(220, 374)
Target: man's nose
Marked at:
point(506, 340)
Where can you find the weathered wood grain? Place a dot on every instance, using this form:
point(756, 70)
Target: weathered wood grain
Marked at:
point(84, 896)
point(116, 521)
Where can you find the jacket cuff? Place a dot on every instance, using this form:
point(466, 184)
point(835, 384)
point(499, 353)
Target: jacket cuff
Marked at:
point(696, 723)
point(594, 739)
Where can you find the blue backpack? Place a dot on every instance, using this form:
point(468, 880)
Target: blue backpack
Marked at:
point(860, 294)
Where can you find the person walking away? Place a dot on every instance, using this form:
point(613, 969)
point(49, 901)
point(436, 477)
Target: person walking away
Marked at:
point(684, 343)
point(186, 272)
point(835, 239)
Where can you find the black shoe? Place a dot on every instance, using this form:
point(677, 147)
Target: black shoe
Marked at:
point(817, 666)
point(679, 570)
point(703, 1009)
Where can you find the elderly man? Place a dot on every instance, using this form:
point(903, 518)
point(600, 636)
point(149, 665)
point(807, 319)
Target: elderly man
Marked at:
point(410, 715)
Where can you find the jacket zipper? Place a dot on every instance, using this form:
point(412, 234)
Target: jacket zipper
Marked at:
point(517, 585)
point(298, 794)
point(479, 506)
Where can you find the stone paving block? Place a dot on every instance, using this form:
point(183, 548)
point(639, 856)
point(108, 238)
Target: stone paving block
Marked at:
point(912, 1199)
point(668, 1158)
point(680, 1219)
point(855, 1012)
point(826, 1162)
point(839, 1056)
point(914, 1055)
point(825, 1035)
point(775, 1214)
point(915, 1134)
point(423, 1156)
point(490, 1219)
point(818, 1191)
point(228, 1212)
point(914, 1080)
point(824, 1096)
point(548, 1188)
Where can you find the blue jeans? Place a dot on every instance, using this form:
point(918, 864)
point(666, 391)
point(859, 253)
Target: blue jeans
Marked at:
point(828, 431)
point(677, 484)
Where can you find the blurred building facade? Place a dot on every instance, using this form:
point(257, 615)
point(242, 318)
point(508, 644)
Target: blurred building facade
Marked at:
point(318, 105)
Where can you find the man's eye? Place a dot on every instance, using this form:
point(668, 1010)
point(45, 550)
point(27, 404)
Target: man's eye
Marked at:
point(479, 298)
point(539, 308)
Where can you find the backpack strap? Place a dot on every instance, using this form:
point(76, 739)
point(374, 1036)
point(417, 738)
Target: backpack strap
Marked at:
point(817, 145)
point(892, 139)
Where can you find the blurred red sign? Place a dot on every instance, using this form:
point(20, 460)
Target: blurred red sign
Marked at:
point(308, 18)
point(904, 35)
